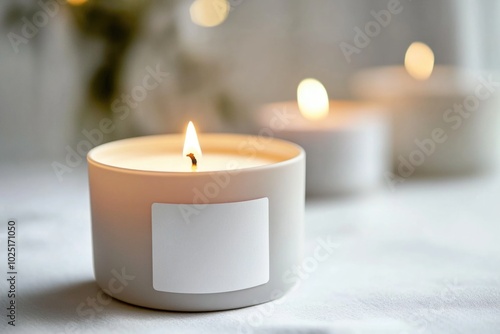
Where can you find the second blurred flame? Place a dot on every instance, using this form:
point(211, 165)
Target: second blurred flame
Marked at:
point(76, 2)
point(312, 99)
point(419, 60)
point(209, 13)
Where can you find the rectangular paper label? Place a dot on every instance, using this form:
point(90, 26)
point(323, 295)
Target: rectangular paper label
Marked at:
point(210, 249)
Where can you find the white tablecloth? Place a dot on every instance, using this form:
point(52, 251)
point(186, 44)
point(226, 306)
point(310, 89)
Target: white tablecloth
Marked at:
point(425, 258)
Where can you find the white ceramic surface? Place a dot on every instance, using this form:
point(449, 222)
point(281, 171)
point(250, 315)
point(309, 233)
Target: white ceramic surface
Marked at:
point(122, 199)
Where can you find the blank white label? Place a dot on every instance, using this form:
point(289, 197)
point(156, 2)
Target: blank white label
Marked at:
point(210, 248)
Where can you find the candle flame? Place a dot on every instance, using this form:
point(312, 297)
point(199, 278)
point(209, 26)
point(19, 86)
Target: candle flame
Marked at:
point(192, 147)
point(76, 2)
point(312, 99)
point(209, 13)
point(419, 60)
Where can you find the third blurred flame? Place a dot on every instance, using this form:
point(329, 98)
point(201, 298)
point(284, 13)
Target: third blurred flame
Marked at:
point(419, 60)
point(209, 13)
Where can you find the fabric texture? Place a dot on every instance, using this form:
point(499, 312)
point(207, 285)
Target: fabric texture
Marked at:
point(422, 259)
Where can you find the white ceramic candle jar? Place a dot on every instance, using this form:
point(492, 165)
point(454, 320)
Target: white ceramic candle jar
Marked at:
point(221, 237)
point(347, 151)
point(444, 119)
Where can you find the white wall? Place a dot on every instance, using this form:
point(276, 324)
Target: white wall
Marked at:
point(264, 48)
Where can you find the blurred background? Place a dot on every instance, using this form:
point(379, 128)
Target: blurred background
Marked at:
point(77, 73)
point(66, 65)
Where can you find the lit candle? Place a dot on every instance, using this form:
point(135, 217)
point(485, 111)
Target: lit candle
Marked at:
point(192, 148)
point(163, 154)
point(196, 231)
point(443, 118)
point(345, 141)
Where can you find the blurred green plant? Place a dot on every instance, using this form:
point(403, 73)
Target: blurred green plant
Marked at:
point(116, 24)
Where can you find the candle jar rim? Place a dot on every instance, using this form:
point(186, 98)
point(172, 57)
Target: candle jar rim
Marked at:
point(291, 152)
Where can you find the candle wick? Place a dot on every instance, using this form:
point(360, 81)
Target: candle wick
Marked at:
point(193, 160)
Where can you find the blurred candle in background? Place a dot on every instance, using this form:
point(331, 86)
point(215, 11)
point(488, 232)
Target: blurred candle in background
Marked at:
point(443, 118)
point(346, 143)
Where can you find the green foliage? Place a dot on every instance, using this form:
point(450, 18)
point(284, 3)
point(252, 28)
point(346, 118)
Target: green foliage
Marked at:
point(116, 24)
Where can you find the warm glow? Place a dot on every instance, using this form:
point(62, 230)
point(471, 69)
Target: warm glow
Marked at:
point(313, 99)
point(419, 60)
point(192, 148)
point(209, 13)
point(191, 144)
point(76, 2)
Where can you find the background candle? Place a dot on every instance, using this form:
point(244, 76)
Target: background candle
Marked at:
point(217, 238)
point(346, 142)
point(444, 119)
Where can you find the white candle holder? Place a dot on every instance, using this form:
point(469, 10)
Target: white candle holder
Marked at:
point(348, 152)
point(197, 241)
point(446, 124)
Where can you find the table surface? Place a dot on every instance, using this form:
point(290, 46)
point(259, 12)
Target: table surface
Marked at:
point(422, 258)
